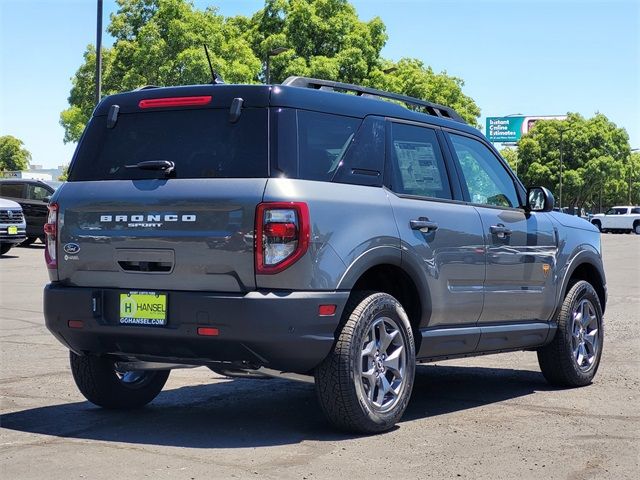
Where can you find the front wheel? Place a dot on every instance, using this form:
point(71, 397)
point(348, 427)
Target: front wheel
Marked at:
point(103, 384)
point(5, 247)
point(597, 224)
point(365, 383)
point(573, 357)
point(636, 228)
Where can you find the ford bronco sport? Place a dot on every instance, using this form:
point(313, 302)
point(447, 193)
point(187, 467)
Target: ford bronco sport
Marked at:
point(310, 230)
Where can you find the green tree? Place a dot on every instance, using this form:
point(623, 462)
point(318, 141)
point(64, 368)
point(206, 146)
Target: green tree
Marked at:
point(159, 42)
point(633, 178)
point(13, 155)
point(64, 176)
point(595, 153)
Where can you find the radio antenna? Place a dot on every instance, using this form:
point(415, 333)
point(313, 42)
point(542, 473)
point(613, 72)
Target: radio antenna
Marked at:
point(215, 77)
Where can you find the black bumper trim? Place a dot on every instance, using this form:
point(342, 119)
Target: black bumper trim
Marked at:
point(277, 329)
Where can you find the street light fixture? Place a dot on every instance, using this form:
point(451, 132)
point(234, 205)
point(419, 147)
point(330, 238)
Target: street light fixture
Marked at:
point(273, 53)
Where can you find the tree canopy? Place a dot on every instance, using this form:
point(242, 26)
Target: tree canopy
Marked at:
point(13, 155)
point(596, 160)
point(160, 42)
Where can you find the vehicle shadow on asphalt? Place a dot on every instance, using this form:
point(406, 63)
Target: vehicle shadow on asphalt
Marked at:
point(246, 413)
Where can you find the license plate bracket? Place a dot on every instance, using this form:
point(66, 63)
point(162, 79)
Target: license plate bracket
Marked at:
point(143, 308)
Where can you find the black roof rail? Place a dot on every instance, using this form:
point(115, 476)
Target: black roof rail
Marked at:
point(429, 107)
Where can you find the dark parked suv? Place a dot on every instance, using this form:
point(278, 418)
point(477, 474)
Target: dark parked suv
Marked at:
point(33, 196)
point(296, 230)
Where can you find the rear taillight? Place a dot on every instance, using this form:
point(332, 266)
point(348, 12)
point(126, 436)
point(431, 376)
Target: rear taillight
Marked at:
point(282, 235)
point(175, 102)
point(51, 231)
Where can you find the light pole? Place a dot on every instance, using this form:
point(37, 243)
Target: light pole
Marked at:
point(631, 171)
point(561, 161)
point(272, 53)
point(99, 53)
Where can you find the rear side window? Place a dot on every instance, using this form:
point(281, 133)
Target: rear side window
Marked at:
point(202, 144)
point(323, 140)
point(364, 160)
point(13, 190)
point(417, 162)
point(36, 192)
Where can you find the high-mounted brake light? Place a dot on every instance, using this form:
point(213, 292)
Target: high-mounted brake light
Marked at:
point(51, 233)
point(281, 235)
point(174, 102)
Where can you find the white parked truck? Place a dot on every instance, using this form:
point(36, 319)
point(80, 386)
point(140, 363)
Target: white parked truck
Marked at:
point(618, 219)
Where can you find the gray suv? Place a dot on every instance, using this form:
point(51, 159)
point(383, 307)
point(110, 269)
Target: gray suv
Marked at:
point(310, 230)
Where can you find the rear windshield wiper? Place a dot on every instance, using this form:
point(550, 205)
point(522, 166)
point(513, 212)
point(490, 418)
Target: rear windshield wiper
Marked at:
point(166, 166)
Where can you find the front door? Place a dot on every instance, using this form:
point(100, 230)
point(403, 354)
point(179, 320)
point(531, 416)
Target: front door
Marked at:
point(520, 283)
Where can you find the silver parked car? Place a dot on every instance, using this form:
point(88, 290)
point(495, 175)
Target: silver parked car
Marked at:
point(12, 225)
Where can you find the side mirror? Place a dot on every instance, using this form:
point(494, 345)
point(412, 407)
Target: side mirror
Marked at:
point(539, 199)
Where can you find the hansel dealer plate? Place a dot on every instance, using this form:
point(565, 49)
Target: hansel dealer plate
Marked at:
point(143, 308)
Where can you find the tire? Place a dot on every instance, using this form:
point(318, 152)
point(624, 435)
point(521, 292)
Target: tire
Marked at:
point(4, 248)
point(597, 224)
point(100, 383)
point(573, 357)
point(28, 241)
point(368, 403)
point(636, 228)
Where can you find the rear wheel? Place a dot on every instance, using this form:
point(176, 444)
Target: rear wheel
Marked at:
point(573, 357)
point(103, 384)
point(636, 228)
point(365, 383)
point(5, 247)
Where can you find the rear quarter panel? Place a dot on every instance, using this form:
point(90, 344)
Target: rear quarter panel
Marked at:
point(351, 225)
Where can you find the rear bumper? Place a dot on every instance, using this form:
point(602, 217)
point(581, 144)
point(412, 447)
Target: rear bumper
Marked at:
point(277, 329)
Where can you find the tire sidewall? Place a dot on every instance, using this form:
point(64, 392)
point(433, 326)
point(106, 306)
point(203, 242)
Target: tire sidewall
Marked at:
point(383, 305)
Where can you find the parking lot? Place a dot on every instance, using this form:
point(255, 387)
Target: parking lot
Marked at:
point(489, 417)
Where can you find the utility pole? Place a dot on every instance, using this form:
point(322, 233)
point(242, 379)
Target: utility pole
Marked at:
point(561, 132)
point(272, 53)
point(631, 171)
point(99, 53)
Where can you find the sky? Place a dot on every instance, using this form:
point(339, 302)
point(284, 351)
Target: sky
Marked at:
point(531, 57)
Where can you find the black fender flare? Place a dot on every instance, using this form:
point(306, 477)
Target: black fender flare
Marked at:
point(391, 255)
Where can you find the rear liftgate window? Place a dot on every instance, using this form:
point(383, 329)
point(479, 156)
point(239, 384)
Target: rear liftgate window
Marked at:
point(201, 142)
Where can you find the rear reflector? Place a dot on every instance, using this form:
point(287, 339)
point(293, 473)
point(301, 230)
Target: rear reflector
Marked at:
point(75, 324)
point(326, 310)
point(174, 102)
point(208, 331)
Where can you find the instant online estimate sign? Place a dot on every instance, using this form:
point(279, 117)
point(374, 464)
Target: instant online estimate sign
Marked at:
point(504, 129)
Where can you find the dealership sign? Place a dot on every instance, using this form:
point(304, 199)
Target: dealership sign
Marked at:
point(511, 129)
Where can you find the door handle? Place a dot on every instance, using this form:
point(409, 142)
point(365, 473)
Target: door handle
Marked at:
point(424, 225)
point(500, 231)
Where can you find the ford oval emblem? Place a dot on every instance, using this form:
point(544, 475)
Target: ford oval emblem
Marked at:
point(71, 248)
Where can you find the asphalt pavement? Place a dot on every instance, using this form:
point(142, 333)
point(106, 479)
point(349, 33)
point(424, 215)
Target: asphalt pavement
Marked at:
point(487, 417)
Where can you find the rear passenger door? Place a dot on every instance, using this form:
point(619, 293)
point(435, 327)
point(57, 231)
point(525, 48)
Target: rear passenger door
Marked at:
point(440, 238)
point(520, 283)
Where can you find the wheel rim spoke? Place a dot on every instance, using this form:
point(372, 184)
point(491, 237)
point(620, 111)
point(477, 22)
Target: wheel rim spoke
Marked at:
point(392, 363)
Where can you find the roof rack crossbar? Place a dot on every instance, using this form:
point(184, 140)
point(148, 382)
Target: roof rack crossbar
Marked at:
point(431, 108)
